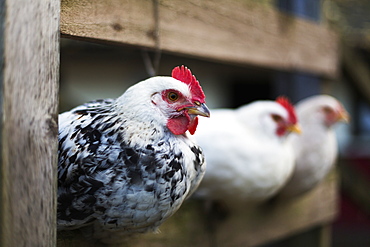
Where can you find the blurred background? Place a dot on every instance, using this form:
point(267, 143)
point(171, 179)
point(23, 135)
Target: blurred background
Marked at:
point(93, 71)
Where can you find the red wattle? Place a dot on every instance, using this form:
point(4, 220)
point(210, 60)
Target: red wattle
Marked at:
point(193, 126)
point(281, 131)
point(178, 125)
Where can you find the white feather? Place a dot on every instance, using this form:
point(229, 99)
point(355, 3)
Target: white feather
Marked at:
point(316, 148)
point(246, 159)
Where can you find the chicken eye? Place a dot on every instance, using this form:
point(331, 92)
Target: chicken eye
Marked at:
point(276, 118)
point(173, 96)
point(327, 110)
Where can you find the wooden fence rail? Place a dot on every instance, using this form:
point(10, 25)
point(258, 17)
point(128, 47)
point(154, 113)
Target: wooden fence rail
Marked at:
point(233, 32)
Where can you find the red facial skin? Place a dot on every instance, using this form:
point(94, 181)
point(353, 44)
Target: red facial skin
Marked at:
point(282, 124)
point(334, 115)
point(181, 120)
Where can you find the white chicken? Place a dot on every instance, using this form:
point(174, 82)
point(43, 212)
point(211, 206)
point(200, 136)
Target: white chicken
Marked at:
point(316, 149)
point(126, 165)
point(248, 156)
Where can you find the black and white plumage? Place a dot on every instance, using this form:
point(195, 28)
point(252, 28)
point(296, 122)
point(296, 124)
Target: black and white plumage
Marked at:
point(121, 166)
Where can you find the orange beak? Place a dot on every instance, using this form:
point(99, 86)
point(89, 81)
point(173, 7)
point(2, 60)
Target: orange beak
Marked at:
point(343, 116)
point(295, 128)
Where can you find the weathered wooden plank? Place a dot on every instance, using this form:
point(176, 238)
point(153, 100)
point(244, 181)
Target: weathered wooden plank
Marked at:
point(29, 75)
point(193, 225)
point(124, 21)
point(238, 32)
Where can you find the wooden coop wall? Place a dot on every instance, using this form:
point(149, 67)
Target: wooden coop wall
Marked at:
point(233, 32)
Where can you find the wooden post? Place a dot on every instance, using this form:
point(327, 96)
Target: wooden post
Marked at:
point(29, 72)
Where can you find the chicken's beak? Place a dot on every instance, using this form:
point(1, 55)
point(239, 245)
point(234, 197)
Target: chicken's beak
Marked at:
point(295, 128)
point(199, 109)
point(343, 116)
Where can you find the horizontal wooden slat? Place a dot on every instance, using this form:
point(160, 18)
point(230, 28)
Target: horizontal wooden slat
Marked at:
point(193, 225)
point(237, 32)
point(128, 22)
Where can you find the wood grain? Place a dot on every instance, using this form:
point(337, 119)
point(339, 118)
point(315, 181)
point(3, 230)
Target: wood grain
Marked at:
point(129, 22)
point(29, 96)
point(237, 32)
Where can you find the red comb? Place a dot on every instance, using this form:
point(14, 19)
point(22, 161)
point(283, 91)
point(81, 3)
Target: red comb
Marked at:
point(184, 74)
point(284, 101)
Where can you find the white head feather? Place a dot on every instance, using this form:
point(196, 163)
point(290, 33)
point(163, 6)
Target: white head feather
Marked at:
point(145, 98)
point(257, 115)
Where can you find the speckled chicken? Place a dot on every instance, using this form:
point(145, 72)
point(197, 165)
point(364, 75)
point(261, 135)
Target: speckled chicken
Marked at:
point(316, 149)
point(127, 164)
point(247, 153)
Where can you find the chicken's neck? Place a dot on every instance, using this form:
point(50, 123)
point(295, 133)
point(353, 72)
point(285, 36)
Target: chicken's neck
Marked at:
point(141, 129)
